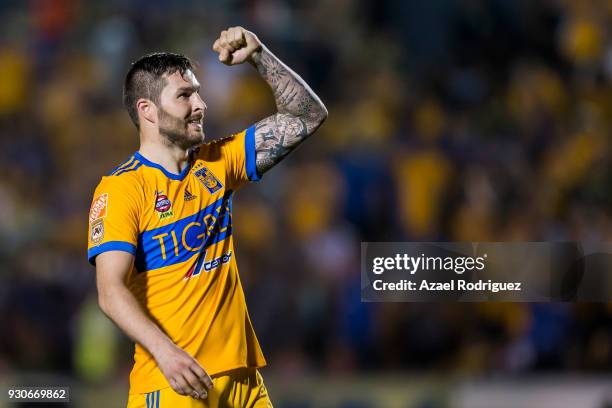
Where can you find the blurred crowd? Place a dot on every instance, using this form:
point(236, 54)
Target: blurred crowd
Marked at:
point(450, 120)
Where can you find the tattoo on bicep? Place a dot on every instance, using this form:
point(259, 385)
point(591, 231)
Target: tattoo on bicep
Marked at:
point(275, 137)
point(267, 135)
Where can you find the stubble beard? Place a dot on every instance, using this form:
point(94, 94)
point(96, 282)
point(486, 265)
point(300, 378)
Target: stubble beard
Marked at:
point(175, 131)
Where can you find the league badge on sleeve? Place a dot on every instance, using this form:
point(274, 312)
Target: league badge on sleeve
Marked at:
point(97, 231)
point(209, 180)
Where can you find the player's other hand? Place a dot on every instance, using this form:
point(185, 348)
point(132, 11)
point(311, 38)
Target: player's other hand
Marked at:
point(183, 372)
point(236, 45)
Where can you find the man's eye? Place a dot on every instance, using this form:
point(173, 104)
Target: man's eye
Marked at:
point(184, 95)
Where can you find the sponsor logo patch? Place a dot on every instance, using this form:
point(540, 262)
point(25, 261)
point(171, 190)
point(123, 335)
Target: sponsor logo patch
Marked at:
point(209, 180)
point(207, 266)
point(98, 208)
point(163, 206)
point(97, 231)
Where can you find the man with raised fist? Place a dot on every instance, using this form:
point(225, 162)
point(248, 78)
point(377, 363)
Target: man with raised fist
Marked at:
point(160, 229)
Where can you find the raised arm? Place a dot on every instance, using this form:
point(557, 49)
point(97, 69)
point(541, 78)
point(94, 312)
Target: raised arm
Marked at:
point(300, 112)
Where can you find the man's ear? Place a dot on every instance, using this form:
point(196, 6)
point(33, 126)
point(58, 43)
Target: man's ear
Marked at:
point(146, 110)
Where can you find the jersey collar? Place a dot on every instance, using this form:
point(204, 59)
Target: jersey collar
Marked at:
point(172, 176)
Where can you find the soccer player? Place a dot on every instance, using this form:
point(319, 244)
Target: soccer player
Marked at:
point(160, 229)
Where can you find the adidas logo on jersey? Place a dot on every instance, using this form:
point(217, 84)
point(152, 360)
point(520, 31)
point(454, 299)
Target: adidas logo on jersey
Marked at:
point(189, 196)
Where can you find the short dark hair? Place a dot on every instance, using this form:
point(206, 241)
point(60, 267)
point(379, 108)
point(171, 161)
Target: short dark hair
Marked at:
point(145, 79)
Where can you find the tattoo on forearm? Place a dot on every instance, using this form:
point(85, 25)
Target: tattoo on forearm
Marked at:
point(300, 112)
point(285, 96)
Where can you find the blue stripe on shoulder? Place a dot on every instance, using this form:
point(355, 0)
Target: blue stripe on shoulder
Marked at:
point(148, 400)
point(157, 400)
point(123, 165)
point(130, 168)
point(126, 167)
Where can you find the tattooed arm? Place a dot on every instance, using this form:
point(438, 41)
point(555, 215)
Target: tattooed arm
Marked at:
point(300, 112)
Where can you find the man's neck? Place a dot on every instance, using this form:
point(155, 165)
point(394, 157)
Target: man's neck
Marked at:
point(170, 157)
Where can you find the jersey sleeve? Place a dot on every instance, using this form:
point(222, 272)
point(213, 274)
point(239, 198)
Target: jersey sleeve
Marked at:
point(113, 218)
point(238, 153)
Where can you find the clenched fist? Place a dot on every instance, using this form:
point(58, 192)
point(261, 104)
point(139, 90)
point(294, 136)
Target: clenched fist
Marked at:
point(236, 45)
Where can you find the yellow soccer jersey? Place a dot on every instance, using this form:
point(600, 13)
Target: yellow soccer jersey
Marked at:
point(185, 276)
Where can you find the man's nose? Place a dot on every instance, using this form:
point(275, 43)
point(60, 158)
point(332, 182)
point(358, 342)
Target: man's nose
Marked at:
point(199, 103)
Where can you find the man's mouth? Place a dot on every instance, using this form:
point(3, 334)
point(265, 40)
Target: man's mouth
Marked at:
point(197, 122)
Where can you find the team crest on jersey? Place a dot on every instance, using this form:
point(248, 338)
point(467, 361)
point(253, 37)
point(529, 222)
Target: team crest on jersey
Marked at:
point(97, 231)
point(98, 208)
point(209, 180)
point(163, 206)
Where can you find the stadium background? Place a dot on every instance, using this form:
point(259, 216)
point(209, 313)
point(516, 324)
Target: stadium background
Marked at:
point(449, 120)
